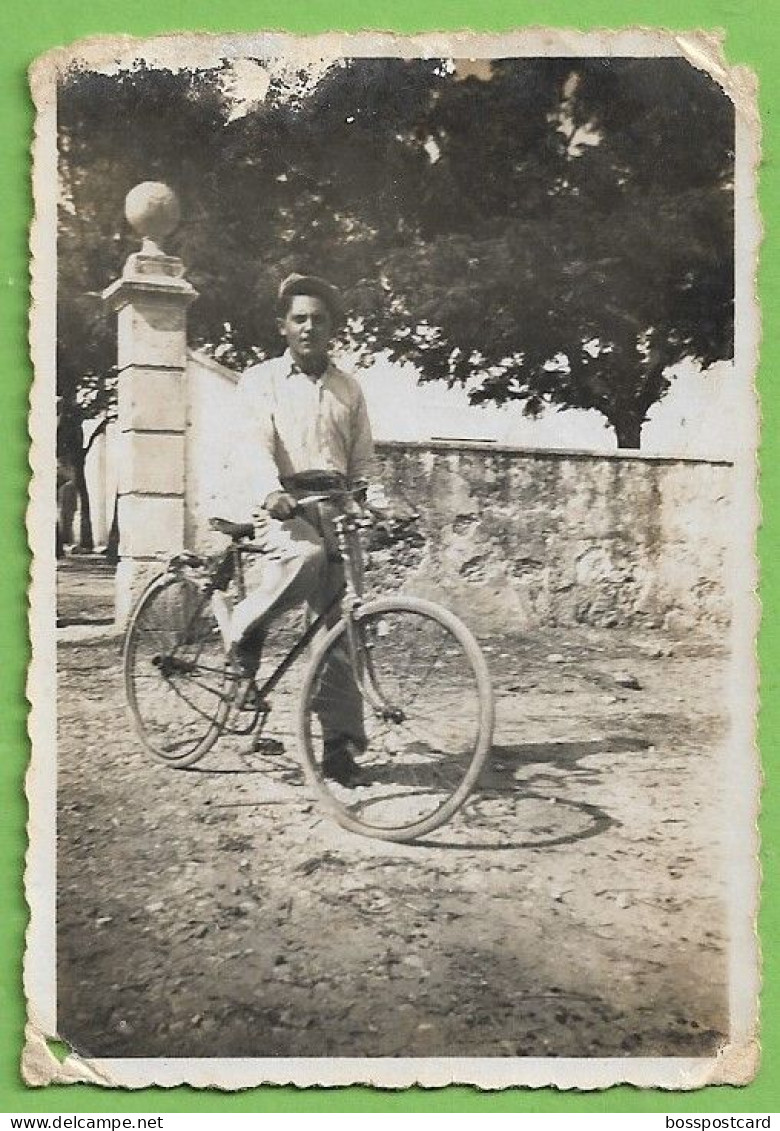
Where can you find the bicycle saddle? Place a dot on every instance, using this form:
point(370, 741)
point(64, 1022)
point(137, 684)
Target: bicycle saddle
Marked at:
point(234, 530)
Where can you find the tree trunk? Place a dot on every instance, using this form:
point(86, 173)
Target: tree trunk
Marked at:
point(628, 431)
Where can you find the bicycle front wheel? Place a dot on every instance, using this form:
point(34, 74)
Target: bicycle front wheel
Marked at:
point(178, 681)
point(406, 683)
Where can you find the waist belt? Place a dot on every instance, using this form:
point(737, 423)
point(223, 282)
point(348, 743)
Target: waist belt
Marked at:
point(313, 482)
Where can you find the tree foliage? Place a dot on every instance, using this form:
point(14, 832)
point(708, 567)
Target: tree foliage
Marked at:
point(552, 232)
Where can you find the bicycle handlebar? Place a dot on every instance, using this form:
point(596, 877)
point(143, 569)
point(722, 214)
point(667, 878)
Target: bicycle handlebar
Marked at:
point(323, 497)
point(332, 496)
point(240, 531)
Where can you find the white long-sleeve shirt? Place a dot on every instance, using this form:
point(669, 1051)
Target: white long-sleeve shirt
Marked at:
point(293, 423)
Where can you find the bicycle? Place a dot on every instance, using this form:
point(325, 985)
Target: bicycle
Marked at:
point(422, 679)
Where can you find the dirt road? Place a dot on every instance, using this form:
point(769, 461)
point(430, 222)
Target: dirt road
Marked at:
point(574, 909)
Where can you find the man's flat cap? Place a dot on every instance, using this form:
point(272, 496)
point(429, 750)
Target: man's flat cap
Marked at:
point(311, 285)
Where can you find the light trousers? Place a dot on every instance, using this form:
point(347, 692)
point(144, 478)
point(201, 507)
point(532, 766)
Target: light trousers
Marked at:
point(298, 569)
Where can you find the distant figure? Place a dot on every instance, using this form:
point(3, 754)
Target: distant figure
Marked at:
point(67, 504)
point(67, 492)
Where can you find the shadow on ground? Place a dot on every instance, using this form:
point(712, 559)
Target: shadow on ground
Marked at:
point(511, 809)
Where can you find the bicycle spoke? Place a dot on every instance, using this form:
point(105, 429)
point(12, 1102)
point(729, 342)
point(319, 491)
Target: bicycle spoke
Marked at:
point(427, 719)
point(421, 679)
point(178, 684)
point(215, 692)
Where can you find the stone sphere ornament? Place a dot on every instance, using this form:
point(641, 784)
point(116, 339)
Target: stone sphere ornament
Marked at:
point(152, 209)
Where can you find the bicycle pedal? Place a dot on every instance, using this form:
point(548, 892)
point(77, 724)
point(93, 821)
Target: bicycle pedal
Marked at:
point(251, 701)
point(255, 706)
point(270, 747)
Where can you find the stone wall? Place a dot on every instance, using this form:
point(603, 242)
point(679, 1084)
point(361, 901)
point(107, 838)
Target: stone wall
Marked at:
point(214, 475)
point(542, 537)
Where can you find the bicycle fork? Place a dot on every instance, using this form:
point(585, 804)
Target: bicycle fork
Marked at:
point(365, 676)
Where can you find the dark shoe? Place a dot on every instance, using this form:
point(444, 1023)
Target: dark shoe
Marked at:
point(339, 765)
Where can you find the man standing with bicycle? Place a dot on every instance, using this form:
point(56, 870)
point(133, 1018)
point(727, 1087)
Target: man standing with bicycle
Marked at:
point(304, 420)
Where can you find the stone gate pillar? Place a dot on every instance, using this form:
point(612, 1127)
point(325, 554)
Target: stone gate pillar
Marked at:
point(151, 300)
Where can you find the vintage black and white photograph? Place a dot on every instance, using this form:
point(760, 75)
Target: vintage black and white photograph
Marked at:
point(393, 519)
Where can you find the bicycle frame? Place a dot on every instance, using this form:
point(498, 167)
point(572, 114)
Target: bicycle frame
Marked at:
point(347, 527)
point(301, 644)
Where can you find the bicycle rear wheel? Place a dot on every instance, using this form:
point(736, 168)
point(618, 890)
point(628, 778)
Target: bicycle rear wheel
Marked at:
point(178, 681)
point(415, 682)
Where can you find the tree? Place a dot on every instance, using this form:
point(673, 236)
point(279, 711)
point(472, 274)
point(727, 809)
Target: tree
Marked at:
point(114, 131)
point(555, 232)
point(584, 291)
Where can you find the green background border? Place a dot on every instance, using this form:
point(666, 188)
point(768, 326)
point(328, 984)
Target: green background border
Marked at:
point(30, 29)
